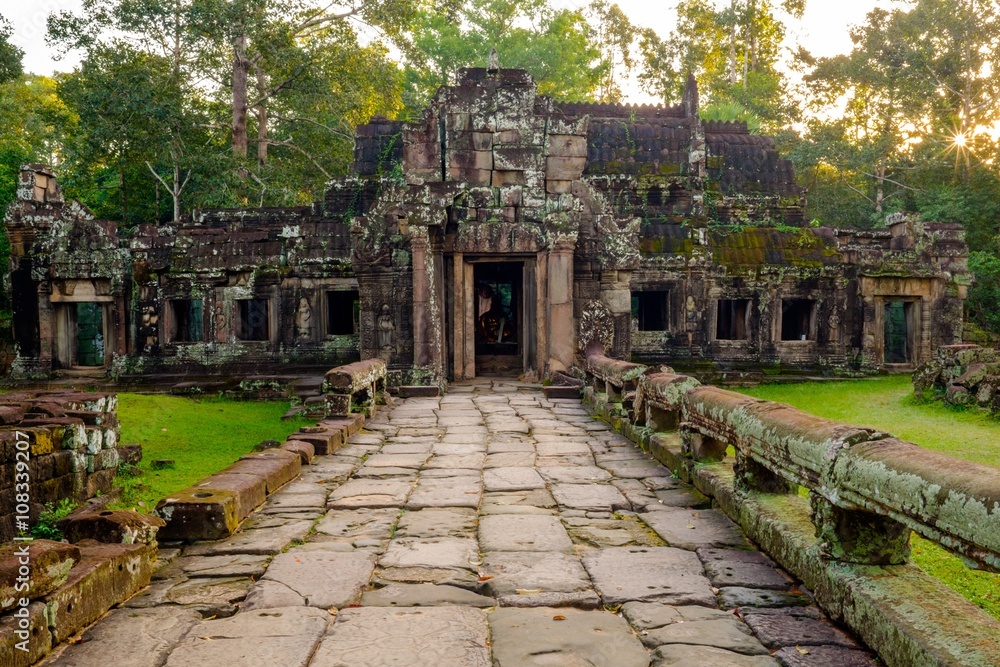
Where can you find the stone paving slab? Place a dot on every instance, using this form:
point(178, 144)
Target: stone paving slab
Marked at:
point(512, 479)
point(414, 637)
point(437, 522)
point(268, 540)
point(824, 656)
point(554, 636)
point(510, 460)
point(730, 634)
point(424, 595)
point(590, 497)
point(284, 636)
point(691, 529)
point(537, 579)
point(523, 533)
point(779, 630)
point(585, 474)
point(437, 552)
point(737, 567)
point(648, 574)
point(322, 578)
point(360, 493)
point(135, 637)
point(360, 526)
point(681, 655)
point(452, 491)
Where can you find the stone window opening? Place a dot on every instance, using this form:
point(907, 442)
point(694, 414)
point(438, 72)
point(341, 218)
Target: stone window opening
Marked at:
point(732, 319)
point(649, 310)
point(254, 320)
point(186, 323)
point(343, 308)
point(798, 319)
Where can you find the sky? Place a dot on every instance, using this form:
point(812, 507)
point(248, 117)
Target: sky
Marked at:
point(823, 29)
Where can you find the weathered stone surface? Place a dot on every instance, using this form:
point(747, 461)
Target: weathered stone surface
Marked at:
point(824, 656)
point(264, 541)
point(199, 514)
point(358, 526)
point(789, 629)
point(284, 636)
point(681, 655)
point(437, 522)
point(417, 637)
point(512, 479)
point(603, 533)
point(358, 493)
point(323, 578)
point(122, 526)
point(537, 579)
point(730, 634)
point(230, 565)
point(650, 615)
point(737, 567)
point(574, 474)
point(538, 501)
point(652, 574)
point(106, 575)
point(48, 564)
point(690, 529)
point(633, 468)
point(548, 636)
point(209, 592)
point(522, 533)
point(423, 595)
point(463, 491)
point(438, 552)
point(510, 460)
point(131, 638)
point(30, 633)
point(738, 597)
point(590, 497)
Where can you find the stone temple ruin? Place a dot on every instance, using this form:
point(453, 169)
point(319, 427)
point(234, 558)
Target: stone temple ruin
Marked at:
point(502, 232)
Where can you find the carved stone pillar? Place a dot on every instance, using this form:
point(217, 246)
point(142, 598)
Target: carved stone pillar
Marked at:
point(561, 335)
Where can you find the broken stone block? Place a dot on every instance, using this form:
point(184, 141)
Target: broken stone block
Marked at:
point(113, 527)
point(28, 630)
point(276, 466)
point(305, 450)
point(106, 575)
point(194, 514)
point(48, 565)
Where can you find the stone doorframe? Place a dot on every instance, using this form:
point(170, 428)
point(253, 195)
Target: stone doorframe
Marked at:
point(876, 291)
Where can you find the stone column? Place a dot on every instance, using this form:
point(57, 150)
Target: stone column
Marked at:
point(422, 280)
point(561, 335)
point(458, 316)
point(45, 329)
point(616, 294)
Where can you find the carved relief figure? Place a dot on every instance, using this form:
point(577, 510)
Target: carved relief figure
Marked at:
point(386, 332)
point(303, 320)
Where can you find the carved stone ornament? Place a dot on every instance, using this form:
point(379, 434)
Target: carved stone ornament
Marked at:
point(597, 328)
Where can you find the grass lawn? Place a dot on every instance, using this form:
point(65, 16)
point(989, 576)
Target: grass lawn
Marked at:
point(887, 403)
point(202, 436)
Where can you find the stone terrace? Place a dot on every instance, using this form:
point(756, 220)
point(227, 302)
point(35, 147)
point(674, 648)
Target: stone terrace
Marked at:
point(490, 526)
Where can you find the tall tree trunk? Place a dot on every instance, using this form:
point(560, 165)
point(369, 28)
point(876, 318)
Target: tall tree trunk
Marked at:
point(176, 194)
point(261, 116)
point(732, 43)
point(880, 185)
point(241, 67)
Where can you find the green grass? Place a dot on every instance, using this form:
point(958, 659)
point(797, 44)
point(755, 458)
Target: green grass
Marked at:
point(202, 436)
point(887, 403)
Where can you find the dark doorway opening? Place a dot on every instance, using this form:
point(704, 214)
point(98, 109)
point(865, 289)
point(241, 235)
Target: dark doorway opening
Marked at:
point(254, 323)
point(797, 319)
point(898, 331)
point(89, 334)
point(343, 309)
point(731, 319)
point(24, 303)
point(498, 311)
point(649, 310)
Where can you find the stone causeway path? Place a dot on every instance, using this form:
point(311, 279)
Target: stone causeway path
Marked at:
point(490, 526)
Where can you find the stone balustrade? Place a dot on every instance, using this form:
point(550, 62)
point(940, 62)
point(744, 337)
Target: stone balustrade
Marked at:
point(353, 383)
point(867, 488)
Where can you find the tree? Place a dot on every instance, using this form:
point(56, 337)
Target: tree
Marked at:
point(10, 55)
point(557, 47)
point(733, 53)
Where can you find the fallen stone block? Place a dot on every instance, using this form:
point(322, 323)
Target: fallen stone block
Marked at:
point(199, 514)
point(276, 466)
point(305, 450)
point(113, 527)
point(28, 631)
point(250, 490)
point(419, 392)
point(107, 575)
point(48, 566)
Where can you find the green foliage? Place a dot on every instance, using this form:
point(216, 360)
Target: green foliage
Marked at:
point(984, 295)
point(887, 403)
point(45, 528)
point(10, 55)
point(202, 436)
point(556, 46)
